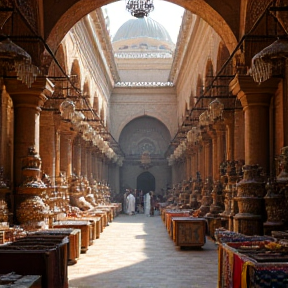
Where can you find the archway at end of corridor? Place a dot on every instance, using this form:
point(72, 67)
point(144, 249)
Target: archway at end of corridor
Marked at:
point(146, 182)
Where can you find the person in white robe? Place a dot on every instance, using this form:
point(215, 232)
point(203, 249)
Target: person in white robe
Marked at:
point(147, 204)
point(130, 204)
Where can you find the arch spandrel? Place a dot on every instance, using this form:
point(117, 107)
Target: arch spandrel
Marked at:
point(222, 15)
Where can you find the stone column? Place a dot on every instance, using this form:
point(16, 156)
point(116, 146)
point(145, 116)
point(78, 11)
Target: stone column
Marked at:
point(221, 151)
point(99, 167)
point(6, 134)
point(48, 142)
point(84, 158)
point(66, 143)
point(213, 136)
point(255, 100)
point(106, 170)
point(239, 135)
point(200, 157)
point(77, 156)
point(94, 163)
point(207, 157)
point(57, 154)
point(194, 161)
point(229, 121)
point(89, 162)
point(27, 103)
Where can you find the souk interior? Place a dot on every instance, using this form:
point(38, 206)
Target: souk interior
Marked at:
point(202, 123)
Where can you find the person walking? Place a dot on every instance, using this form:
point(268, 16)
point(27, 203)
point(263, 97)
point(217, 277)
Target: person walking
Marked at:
point(152, 203)
point(130, 204)
point(147, 204)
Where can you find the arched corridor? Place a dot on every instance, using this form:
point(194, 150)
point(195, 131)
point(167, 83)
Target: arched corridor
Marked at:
point(137, 252)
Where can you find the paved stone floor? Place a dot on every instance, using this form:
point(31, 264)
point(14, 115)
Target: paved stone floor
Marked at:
point(137, 252)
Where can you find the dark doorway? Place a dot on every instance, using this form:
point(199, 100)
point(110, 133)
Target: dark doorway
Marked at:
point(146, 182)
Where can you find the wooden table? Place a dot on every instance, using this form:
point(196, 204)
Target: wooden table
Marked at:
point(189, 231)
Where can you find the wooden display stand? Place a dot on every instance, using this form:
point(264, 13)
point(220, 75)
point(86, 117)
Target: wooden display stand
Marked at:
point(96, 223)
point(12, 280)
point(168, 219)
point(83, 225)
point(35, 256)
point(189, 231)
point(74, 245)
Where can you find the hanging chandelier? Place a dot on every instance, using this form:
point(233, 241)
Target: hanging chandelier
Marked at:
point(139, 8)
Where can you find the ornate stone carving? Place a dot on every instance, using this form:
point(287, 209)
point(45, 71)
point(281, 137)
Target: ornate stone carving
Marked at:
point(32, 210)
point(207, 199)
point(250, 193)
point(275, 207)
point(283, 165)
point(142, 55)
point(217, 205)
point(144, 84)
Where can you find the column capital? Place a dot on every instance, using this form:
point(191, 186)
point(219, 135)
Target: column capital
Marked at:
point(252, 93)
point(35, 96)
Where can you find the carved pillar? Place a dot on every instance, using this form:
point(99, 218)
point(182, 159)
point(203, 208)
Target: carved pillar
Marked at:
point(255, 100)
point(89, 162)
point(214, 147)
point(77, 156)
point(221, 151)
point(94, 164)
point(48, 142)
point(194, 161)
point(207, 157)
point(229, 121)
point(106, 170)
point(99, 167)
point(6, 134)
point(27, 103)
point(250, 193)
point(57, 154)
point(84, 158)
point(239, 135)
point(66, 144)
point(201, 159)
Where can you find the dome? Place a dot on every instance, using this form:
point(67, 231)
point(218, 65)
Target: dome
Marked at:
point(142, 27)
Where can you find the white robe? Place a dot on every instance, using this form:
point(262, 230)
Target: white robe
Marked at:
point(130, 204)
point(147, 204)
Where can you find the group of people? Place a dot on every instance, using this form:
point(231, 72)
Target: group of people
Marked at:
point(146, 204)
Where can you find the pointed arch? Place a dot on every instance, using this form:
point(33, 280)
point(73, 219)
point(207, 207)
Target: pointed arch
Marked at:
point(75, 73)
point(54, 69)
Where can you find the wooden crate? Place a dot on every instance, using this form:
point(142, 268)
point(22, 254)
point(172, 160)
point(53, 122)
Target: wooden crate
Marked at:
point(189, 231)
